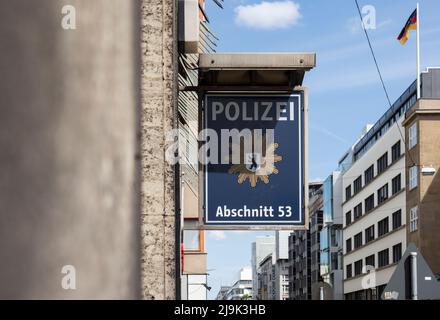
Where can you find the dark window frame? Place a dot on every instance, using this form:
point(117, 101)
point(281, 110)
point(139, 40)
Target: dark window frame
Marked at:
point(349, 270)
point(396, 184)
point(348, 245)
point(357, 212)
point(357, 240)
point(348, 193)
point(383, 227)
point(383, 258)
point(371, 261)
point(396, 151)
point(357, 185)
point(397, 252)
point(358, 265)
point(369, 174)
point(369, 234)
point(382, 163)
point(382, 194)
point(369, 203)
point(397, 219)
point(348, 221)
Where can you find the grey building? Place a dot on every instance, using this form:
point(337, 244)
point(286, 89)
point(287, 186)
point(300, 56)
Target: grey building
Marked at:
point(304, 250)
point(263, 246)
point(266, 279)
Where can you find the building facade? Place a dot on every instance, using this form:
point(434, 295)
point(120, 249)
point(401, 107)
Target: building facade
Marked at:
point(422, 127)
point(374, 206)
point(382, 192)
point(282, 265)
point(266, 279)
point(304, 250)
point(331, 235)
point(263, 246)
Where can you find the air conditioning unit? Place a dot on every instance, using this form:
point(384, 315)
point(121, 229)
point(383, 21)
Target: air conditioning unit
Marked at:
point(189, 25)
point(428, 171)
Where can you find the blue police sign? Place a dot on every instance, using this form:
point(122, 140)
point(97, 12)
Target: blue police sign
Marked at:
point(254, 160)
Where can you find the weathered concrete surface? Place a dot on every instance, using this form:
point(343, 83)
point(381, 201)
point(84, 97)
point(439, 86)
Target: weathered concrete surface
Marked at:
point(158, 89)
point(68, 179)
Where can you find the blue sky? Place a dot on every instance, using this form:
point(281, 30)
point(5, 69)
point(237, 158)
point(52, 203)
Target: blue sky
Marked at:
point(345, 92)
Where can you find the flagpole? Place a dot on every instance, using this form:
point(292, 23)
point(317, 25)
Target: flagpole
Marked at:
point(418, 52)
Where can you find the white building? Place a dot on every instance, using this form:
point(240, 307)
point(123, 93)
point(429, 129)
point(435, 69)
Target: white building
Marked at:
point(242, 285)
point(374, 234)
point(262, 246)
point(281, 263)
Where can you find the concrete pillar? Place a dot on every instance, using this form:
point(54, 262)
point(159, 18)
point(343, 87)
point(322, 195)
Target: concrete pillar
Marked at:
point(159, 87)
point(68, 129)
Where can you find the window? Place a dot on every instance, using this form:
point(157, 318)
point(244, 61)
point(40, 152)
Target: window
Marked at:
point(382, 227)
point(397, 219)
point(358, 240)
point(413, 177)
point(396, 184)
point(412, 136)
point(382, 194)
point(397, 253)
point(191, 240)
point(357, 184)
point(358, 267)
point(349, 271)
point(395, 151)
point(383, 257)
point(413, 219)
point(348, 218)
point(348, 193)
point(369, 203)
point(369, 234)
point(369, 261)
point(382, 163)
point(348, 244)
point(357, 211)
point(369, 174)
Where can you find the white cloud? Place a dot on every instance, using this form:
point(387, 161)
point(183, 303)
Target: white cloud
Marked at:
point(217, 235)
point(268, 15)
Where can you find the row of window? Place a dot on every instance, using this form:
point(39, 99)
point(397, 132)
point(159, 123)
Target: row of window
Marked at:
point(370, 261)
point(382, 229)
point(382, 196)
point(382, 165)
point(399, 113)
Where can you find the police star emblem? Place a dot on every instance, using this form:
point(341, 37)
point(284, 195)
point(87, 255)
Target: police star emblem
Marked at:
point(255, 166)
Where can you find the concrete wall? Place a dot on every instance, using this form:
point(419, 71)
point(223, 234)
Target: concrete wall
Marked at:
point(69, 107)
point(158, 90)
point(426, 114)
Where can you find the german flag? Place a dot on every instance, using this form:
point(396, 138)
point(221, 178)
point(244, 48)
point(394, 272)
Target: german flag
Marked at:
point(411, 24)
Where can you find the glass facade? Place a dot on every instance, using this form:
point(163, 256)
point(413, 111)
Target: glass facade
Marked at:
point(328, 200)
point(325, 251)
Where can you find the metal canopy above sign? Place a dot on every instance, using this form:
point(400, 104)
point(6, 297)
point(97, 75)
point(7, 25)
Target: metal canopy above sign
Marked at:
point(264, 187)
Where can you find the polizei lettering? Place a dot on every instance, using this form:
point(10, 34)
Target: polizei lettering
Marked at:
point(256, 111)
